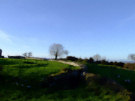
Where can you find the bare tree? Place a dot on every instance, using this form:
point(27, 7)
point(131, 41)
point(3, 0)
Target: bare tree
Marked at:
point(66, 52)
point(30, 54)
point(25, 54)
point(57, 50)
point(131, 56)
point(97, 57)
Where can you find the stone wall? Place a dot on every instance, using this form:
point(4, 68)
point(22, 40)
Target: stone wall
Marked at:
point(70, 79)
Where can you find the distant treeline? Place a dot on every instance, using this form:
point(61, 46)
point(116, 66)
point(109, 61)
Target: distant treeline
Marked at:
point(130, 66)
point(16, 57)
point(91, 60)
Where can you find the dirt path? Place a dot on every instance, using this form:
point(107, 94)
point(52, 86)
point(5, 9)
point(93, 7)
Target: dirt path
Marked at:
point(83, 67)
point(70, 63)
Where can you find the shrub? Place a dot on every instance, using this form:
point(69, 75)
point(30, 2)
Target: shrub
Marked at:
point(130, 66)
point(72, 58)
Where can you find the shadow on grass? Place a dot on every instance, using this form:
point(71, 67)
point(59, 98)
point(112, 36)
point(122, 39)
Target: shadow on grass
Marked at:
point(122, 76)
point(35, 88)
point(90, 90)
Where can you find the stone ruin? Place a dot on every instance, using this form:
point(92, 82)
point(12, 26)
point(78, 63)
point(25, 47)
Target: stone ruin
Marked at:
point(1, 54)
point(68, 80)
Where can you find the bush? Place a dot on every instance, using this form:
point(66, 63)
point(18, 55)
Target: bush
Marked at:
point(91, 60)
point(130, 66)
point(72, 58)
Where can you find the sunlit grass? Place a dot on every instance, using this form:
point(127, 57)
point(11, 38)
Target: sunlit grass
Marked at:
point(29, 72)
point(26, 68)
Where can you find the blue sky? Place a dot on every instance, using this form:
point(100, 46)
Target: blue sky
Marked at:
point(83, 27)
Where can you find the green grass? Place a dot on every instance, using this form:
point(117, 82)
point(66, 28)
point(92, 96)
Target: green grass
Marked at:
point(112, 72)
point(31, 68)
point(29, 72)
point(68, 95)
point(92, 91)
point(33, 72)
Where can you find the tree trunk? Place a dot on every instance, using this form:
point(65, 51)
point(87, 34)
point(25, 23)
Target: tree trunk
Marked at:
point(56, 56)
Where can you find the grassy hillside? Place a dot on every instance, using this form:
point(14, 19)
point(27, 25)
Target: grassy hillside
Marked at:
point(36, 69)
point(20, 81)
point(124, 77)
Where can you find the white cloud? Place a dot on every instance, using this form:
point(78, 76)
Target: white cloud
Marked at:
point(4, 36)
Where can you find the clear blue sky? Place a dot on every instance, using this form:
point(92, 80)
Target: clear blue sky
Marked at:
point(83, 27)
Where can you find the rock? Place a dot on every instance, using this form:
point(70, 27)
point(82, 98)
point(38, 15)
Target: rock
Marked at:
point(28, 86)
point(17, 83)
point(65, 80)
point(118, 76)
point(127, 81)
point(22, 85)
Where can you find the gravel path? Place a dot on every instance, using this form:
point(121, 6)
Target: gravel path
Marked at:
point(70, 63)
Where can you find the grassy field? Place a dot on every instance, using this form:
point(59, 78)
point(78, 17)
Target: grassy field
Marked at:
point(36, 69)
point(124, 77)
point(20, 81)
